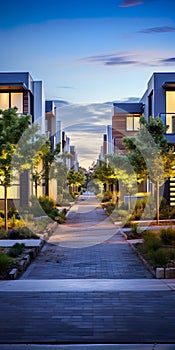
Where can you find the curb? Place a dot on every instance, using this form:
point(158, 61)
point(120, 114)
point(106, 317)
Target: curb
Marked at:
point(26, 261)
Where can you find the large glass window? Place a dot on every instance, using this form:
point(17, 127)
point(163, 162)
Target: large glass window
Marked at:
point(17, 101)
point(129, 123)
point(4, 100)
point(170, 111)
point(12, 99)
point(132, 123)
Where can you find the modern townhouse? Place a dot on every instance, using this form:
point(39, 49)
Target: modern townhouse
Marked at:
point(158, 100)
point(19, 89)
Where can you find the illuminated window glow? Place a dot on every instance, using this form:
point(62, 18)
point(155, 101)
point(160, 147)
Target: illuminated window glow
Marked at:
point(132, 123)
point(17, 101)
point(4, 101)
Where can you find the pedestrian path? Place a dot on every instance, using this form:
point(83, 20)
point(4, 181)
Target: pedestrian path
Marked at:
point(87, 294)
point(87, 246)
point(87, 317)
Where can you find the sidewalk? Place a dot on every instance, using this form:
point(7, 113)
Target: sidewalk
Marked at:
point(87, 246)
point(92, 297)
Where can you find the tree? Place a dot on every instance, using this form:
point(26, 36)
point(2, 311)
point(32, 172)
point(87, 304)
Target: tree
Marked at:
point(75, 179)
point(36, 172)
point(105, 173)
point(48, 158)
point(150, 154)
point(12, 126)
point(124, 172)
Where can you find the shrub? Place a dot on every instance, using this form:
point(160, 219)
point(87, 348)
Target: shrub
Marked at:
point(167, 235)
point(21, 233)
point(107, 197)
point(110, 208)
point(5, 261)
point(1, 222)
point(3, 234)
point(46, 203)
point(159, 257)
point(16, 250)
point(151, 241)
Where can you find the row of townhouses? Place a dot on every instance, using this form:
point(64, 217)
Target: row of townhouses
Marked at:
point(158, 100)
point(19, 89)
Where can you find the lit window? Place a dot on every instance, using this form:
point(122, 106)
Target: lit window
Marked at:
point(129, 123)
point(17, 101)
point(136, 123)
point(4, 100)
point(132, 123)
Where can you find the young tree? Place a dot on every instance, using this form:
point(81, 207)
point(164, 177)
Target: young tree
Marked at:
point(49, 157)
point(124, 173)
point(12, 126)
point(150, 154)
point(75, 179)
point(106, 174)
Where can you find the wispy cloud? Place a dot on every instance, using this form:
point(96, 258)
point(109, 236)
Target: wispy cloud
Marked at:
point(157, 30)
point(170, 60)
point(129, 3)
point(113, 59)
point(130, 59)
point(66, 87)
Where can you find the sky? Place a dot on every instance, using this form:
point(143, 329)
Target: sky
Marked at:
point(88, 53)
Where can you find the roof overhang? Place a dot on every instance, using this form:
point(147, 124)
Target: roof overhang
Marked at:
point(12, 86)
point(168, 85)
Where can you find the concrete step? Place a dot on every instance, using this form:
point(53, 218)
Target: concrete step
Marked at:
point(88, 347)
point(87, 285)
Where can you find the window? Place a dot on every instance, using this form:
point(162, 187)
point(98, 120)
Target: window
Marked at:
point(17, 101)
point(132, 123)
point(4, 100)
point(170, 111)
point(11, 99)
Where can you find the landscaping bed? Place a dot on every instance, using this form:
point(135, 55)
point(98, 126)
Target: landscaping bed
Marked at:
point(15, 259)
point(157, 249)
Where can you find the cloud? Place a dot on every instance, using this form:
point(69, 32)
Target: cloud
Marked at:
point(129, 3)
point(61, 103)
point(85, 125)
point(157, 30)
point(66, 87)
point(114, 59)
point(170, 60)
point(124, 100)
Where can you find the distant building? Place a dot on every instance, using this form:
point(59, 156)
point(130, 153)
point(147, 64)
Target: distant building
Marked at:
point(125, 122)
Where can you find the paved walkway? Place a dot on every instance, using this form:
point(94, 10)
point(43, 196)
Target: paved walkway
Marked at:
point(87, 246)
point(113, 304)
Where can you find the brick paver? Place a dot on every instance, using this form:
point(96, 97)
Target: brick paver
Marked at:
point(93, 317)
point(109, 257)
point(88, 316)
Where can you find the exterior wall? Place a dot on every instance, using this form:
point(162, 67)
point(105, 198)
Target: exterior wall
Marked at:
point(119, 122)
point(110, 146)
point(39, 105)
point(105, 145)
point(34, 104)
point(155, 86)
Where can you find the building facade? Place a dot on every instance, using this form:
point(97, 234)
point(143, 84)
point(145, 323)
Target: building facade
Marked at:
point(158, 100)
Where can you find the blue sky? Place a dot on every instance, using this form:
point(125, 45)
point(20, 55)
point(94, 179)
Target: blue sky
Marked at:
point(89, 51)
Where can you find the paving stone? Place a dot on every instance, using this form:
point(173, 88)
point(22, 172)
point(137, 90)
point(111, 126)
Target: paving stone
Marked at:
point(111, 258)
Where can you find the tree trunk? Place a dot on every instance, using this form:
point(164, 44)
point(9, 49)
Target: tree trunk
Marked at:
point(36, 189)
point(5, 209)
point(157, 201)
